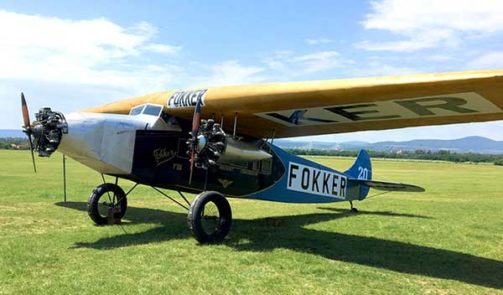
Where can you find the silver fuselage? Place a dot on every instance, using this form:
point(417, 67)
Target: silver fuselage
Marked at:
point(106, 142)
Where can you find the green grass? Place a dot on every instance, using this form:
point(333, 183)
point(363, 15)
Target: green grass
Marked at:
point(448, 240)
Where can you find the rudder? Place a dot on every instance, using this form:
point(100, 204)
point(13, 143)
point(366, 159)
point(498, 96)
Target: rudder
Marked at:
point(361, 169)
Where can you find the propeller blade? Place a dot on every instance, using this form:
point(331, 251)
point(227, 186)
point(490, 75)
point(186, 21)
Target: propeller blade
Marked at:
point(32, 154)
point(27, 128)
point(196, 119)
point(196, 122)
point(191, 166)
point(26, 114)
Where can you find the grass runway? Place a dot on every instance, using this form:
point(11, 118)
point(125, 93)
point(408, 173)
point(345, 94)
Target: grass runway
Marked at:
point(448, 240)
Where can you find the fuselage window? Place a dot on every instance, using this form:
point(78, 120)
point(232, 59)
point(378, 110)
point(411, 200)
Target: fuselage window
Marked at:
point(168, 119)
point(152, 110)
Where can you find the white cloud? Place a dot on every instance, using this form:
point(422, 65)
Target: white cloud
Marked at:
point(320, 61)
point(492, 60)
point(92, 52)
point(229, 72)
point(423, 40)
point(377, 68)
point(292, 64)
point(460, 15)
point(318, 41)
point(425, 24)
point(162, 48)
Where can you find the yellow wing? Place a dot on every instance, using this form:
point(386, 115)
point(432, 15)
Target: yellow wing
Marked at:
point(336, 106)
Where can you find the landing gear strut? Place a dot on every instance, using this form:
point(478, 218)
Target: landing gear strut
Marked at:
point(353, 209)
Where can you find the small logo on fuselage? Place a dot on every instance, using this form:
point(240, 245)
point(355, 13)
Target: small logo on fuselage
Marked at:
point(163, 155)
point(225, 182)
point(305, 179)
point(183, 99)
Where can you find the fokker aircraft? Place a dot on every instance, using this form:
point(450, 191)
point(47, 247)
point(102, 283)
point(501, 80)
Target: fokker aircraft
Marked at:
point(218, 142)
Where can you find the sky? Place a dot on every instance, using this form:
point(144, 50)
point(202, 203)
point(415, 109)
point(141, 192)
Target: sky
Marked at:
point(70, 55)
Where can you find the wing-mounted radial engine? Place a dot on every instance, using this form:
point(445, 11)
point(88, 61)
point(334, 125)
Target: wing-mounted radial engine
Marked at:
point(208, 144)
point(211, 146)
point(47, 130)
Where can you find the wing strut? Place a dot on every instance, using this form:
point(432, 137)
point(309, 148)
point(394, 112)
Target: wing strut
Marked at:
point(235, 125)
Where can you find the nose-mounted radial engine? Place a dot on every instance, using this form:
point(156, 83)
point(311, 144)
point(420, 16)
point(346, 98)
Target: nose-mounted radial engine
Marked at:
point(46, 131)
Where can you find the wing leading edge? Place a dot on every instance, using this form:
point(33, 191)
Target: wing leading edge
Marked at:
point(337, 106)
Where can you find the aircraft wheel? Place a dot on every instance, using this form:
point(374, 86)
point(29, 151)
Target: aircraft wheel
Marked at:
point(210, 217)
point(103, 198)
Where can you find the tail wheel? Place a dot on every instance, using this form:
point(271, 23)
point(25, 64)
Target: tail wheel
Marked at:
point(103, 198)
point(210, 217)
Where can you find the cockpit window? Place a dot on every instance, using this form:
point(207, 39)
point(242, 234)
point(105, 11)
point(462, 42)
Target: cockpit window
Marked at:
point(153, 110)
point(136, 110)
point(146, 109)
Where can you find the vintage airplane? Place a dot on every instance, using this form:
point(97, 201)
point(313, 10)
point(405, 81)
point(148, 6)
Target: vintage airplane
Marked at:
point(218, 142)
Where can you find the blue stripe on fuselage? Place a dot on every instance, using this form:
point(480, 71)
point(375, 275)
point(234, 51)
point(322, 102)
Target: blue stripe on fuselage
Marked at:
point(305, 181)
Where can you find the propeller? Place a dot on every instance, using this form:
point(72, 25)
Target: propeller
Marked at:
point(196, 122)
point(207, 142)
point(27, 128)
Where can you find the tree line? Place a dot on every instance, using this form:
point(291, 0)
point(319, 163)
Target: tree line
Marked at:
point(415, 155)
point(14, 143)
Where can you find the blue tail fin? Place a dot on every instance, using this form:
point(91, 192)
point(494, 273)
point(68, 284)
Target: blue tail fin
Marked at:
point(361, 169)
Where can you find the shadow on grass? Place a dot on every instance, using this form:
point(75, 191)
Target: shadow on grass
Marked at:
point(348, 212)
point(289, 232)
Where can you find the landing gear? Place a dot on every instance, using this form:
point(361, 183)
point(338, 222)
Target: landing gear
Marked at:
point(210, 217)
point(103, 198)
point(353, 209)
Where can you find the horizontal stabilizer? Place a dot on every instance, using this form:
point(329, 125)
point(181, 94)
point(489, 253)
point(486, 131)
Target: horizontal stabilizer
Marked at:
point(389, 186)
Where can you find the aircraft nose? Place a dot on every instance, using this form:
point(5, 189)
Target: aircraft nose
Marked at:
point(47, 130)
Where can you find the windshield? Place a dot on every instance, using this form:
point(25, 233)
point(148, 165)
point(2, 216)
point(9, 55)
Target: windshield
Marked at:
point(136, 110)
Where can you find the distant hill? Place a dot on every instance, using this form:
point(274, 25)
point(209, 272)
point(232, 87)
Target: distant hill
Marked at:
point(4, 133)
point(474, 144)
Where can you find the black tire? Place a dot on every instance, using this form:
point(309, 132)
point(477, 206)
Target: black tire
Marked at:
point(111, 193)
point(198, 219)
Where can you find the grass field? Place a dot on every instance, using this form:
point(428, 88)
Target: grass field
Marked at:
point(448, 240)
